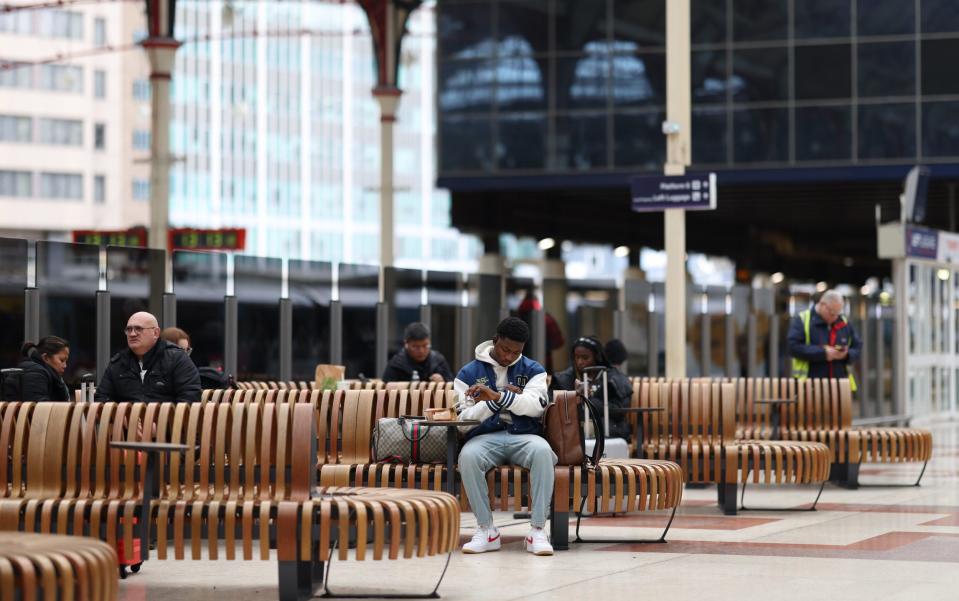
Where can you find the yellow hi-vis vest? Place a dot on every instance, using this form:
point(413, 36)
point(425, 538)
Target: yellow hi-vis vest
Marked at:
point(801, 366)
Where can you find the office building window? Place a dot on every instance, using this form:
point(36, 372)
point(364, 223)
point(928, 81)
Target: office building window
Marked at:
point(141, 189)
point(63, 132)
point(61, 78)
point(141, 139)
point(100, 83)
point(60, 24)
point(141, 89)
point(16, 75)
point(61, 185)
point(99, 189)
point(99, 31)
point(18, 184)
point(99, 136)
point(14, 128)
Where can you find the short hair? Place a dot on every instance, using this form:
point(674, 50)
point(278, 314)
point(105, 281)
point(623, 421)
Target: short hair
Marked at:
point(175, 335)
point(831, 297)
point(416, 331)
point(616, 351)
point(513, 328)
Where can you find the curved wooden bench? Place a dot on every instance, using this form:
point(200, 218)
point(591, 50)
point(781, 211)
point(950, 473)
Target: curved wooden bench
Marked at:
point(246, 478)
point(696, 427)
point(823, 413)
point(620, 486)
point(48, 566)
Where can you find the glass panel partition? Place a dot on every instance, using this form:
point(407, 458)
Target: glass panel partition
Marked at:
point(311, 291)
point(199, 282)
point(636, 327)
point(406, 286)
point(128, 280)
point(258, 282)
point(444, 294)
point(13, 281)
point(359, 292)
point(68, 276)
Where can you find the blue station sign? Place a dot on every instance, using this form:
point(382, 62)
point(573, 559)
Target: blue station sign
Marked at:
point(693, 191)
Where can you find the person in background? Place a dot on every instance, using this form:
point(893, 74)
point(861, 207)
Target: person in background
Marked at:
point(178, 337)
point(616, 353)
point(554, 335)
point(588, 352)
point(210, 377)
point(417, 357)
point(150, 368)
point(43, 367)
point(506, 392)
point(822, 342)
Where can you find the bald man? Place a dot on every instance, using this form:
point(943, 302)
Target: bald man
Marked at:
point(149, 369)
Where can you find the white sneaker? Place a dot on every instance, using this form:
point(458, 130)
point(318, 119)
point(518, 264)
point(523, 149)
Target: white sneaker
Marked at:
point(485, 539)
point(537, 542)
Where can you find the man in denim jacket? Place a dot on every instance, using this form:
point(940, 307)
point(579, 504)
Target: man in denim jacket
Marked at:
point(507, 392)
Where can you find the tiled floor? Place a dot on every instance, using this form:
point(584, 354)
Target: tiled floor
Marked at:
point(874, 544)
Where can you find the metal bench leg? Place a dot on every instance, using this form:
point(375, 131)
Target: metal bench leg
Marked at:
point(742, 501)
point(299, 579)
point(559, 530)
point(661, 539)
point(328, 594)
point(845, 474)
point(916, 483)
point(727, 497)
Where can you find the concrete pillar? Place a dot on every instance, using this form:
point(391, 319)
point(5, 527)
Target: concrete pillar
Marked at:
point(678, 154)
point(388, 98)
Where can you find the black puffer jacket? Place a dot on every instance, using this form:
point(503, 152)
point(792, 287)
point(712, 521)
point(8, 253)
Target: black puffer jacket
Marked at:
point(38, 383)
point(170, 376)
point(619, 390)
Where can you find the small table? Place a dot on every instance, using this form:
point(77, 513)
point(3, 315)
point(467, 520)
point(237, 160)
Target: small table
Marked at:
point(452, 446)
point(150, 478)
point(776, 407)
point(639, 430)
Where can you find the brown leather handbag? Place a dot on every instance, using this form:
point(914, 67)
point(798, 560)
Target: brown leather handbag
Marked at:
point(563, 429)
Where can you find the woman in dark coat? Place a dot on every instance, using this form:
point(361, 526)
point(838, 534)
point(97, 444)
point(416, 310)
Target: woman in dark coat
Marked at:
point(588, 352)
point(43, 367)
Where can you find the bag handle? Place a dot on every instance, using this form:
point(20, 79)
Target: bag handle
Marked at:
point(599, 446)
point(413, 418)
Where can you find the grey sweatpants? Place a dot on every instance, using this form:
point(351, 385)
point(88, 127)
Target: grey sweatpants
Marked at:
point(484, 452)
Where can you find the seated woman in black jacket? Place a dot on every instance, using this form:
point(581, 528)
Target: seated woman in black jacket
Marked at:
point(43, 368)
point(588, 352)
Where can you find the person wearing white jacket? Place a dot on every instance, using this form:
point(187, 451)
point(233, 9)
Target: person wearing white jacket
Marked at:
point(507, 392)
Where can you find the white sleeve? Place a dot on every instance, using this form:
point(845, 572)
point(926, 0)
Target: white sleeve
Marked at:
point(467, 408)
point(531, 402)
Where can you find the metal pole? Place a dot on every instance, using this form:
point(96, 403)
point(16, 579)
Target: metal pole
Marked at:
point(866, 397)
point(426, 316)
point(705, 344)
point(751, 344)
point(880, 364)
point(286, 340)
point(773, 345)
point(169, 310)
point(31, 314)
point(388, 98)
point(103, 332)
point(900, 339)
point(538, 334)
point(230, 335)
point(653, 344)
point(336, 333)
point(677, 158)
point(730, 340)
point(464, 323)
point(382, 336)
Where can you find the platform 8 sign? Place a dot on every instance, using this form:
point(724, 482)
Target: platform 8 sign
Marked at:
point(693, 191)
point(922, 242)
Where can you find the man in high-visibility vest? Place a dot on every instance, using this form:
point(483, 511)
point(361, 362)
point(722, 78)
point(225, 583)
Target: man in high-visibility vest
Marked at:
point(822, 341)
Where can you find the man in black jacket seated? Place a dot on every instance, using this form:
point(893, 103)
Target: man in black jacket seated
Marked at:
point(416, 356)
point(150, 369)
point(588, 352)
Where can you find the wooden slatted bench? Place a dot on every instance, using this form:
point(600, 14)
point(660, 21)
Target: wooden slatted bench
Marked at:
point(246, 479)
point(696, 427)
point(823, 413)
point(618, 486)
point(48, 566)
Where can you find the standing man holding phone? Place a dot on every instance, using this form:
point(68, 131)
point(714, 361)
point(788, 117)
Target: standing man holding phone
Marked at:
point(822, 342)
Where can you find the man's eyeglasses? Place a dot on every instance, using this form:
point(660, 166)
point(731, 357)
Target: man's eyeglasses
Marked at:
point(130, 330)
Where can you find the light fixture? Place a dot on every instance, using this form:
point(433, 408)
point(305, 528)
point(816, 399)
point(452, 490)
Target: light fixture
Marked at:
point(621, 251)
point(546, 243)
point(777, 278)
point(943, 274)
point(821, 287)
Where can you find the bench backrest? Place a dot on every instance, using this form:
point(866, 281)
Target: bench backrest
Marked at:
point(692, 410)
point(822, 404)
